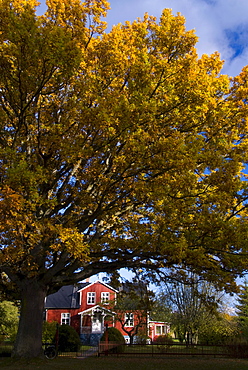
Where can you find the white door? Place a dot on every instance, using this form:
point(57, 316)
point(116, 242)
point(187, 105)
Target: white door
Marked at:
point(97, 323)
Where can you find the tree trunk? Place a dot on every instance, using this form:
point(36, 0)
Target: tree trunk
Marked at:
point(29, 337)
point(131, 339)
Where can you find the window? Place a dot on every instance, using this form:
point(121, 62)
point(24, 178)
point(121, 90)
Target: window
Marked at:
point(160, 329)
point(65, 318)
point(129, 319)
point(105, 297)
point(91, 298)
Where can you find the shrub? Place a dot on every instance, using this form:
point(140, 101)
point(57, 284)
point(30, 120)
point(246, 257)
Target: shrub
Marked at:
point(114, 335)
point(49, 331)
point(69, 340)
point(164, 340)
point(142, 339)
point(9, 320)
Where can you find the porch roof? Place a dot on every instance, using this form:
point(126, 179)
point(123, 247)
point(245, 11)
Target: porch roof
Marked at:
point(96, 308)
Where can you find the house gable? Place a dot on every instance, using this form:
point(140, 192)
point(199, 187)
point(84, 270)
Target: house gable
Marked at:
point(98, 283)
point(96, 293)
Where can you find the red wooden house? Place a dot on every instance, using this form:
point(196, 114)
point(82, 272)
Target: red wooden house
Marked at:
point(88, 307)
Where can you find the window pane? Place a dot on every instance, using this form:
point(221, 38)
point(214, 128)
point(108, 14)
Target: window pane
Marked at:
point(65, 318)
point(158, 330)
point(104, 297)
point(129, 319)
point(91, 297)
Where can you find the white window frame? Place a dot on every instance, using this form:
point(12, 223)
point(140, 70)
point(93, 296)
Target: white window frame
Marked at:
point(129, 319)
point(160, 330)
point(65, 318)
point(91, 298)
point(105, 297)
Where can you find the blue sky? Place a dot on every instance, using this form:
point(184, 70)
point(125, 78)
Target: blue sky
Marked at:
point(221, 25)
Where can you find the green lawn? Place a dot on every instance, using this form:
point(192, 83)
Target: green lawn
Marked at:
point(124, 363)
point(175, 349)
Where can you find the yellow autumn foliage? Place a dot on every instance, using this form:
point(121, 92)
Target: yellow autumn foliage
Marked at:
point(120, 146)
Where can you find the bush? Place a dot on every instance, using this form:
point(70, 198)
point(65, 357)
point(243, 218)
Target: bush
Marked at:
point(9, 319)
point(49, 331)
point(142, 339)
point(69, 340)
point(164, 340)
point(114, 335)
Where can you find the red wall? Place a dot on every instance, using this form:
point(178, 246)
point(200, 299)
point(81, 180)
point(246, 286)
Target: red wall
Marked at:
point(98, 288)
point(55, 315)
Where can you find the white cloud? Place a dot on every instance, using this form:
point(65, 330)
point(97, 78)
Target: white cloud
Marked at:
point(210, 19)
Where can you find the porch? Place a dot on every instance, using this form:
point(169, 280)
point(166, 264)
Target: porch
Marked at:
point(93, 324)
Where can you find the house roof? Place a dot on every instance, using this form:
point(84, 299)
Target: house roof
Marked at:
point(99, 282)
point(65, 297)
point(154, 322)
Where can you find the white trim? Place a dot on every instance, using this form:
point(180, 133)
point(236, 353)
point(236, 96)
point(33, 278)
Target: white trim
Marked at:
point(160, 329)
point(94, 308)
point(98, 282)
point(80, 297)
point(159, 322)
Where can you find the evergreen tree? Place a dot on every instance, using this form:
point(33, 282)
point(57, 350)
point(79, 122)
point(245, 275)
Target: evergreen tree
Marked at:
point(242, 310)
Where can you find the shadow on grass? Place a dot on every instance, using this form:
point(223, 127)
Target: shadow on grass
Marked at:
point(124, 363)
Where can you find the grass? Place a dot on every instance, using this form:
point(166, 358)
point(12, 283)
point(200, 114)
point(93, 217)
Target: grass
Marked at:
point(176, 349)
point(124, 363)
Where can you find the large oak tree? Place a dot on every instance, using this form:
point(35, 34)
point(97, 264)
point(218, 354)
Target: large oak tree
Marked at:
point(117, 149)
